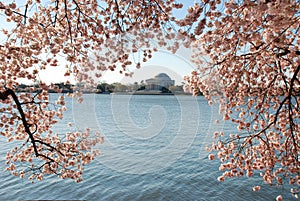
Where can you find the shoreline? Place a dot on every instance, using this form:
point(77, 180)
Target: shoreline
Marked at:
point(157, 93)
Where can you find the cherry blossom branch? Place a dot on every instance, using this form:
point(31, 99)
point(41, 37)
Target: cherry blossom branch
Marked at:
point(4, 96)
point(68, 21)
point(25, 13)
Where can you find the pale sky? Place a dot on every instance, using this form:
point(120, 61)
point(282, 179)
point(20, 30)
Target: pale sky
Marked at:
point(175, 65)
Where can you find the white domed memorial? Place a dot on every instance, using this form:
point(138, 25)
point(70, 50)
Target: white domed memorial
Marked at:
point(159, 81)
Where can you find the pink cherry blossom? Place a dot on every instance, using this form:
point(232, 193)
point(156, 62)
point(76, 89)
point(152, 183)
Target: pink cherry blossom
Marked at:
point(248, 60)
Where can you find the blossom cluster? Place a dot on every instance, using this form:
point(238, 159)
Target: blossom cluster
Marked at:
point(248, 58)
point(29, 121)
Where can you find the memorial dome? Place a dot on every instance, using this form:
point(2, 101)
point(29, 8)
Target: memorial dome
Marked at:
point(162, 76)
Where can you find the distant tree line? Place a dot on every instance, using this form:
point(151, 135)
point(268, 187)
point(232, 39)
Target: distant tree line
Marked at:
point(119, 87)
point(64, 88)
point(101, 88)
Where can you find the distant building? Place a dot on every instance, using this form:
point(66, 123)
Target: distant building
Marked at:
point(159, 81)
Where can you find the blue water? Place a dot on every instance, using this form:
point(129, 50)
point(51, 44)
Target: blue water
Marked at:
point(154, 150)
